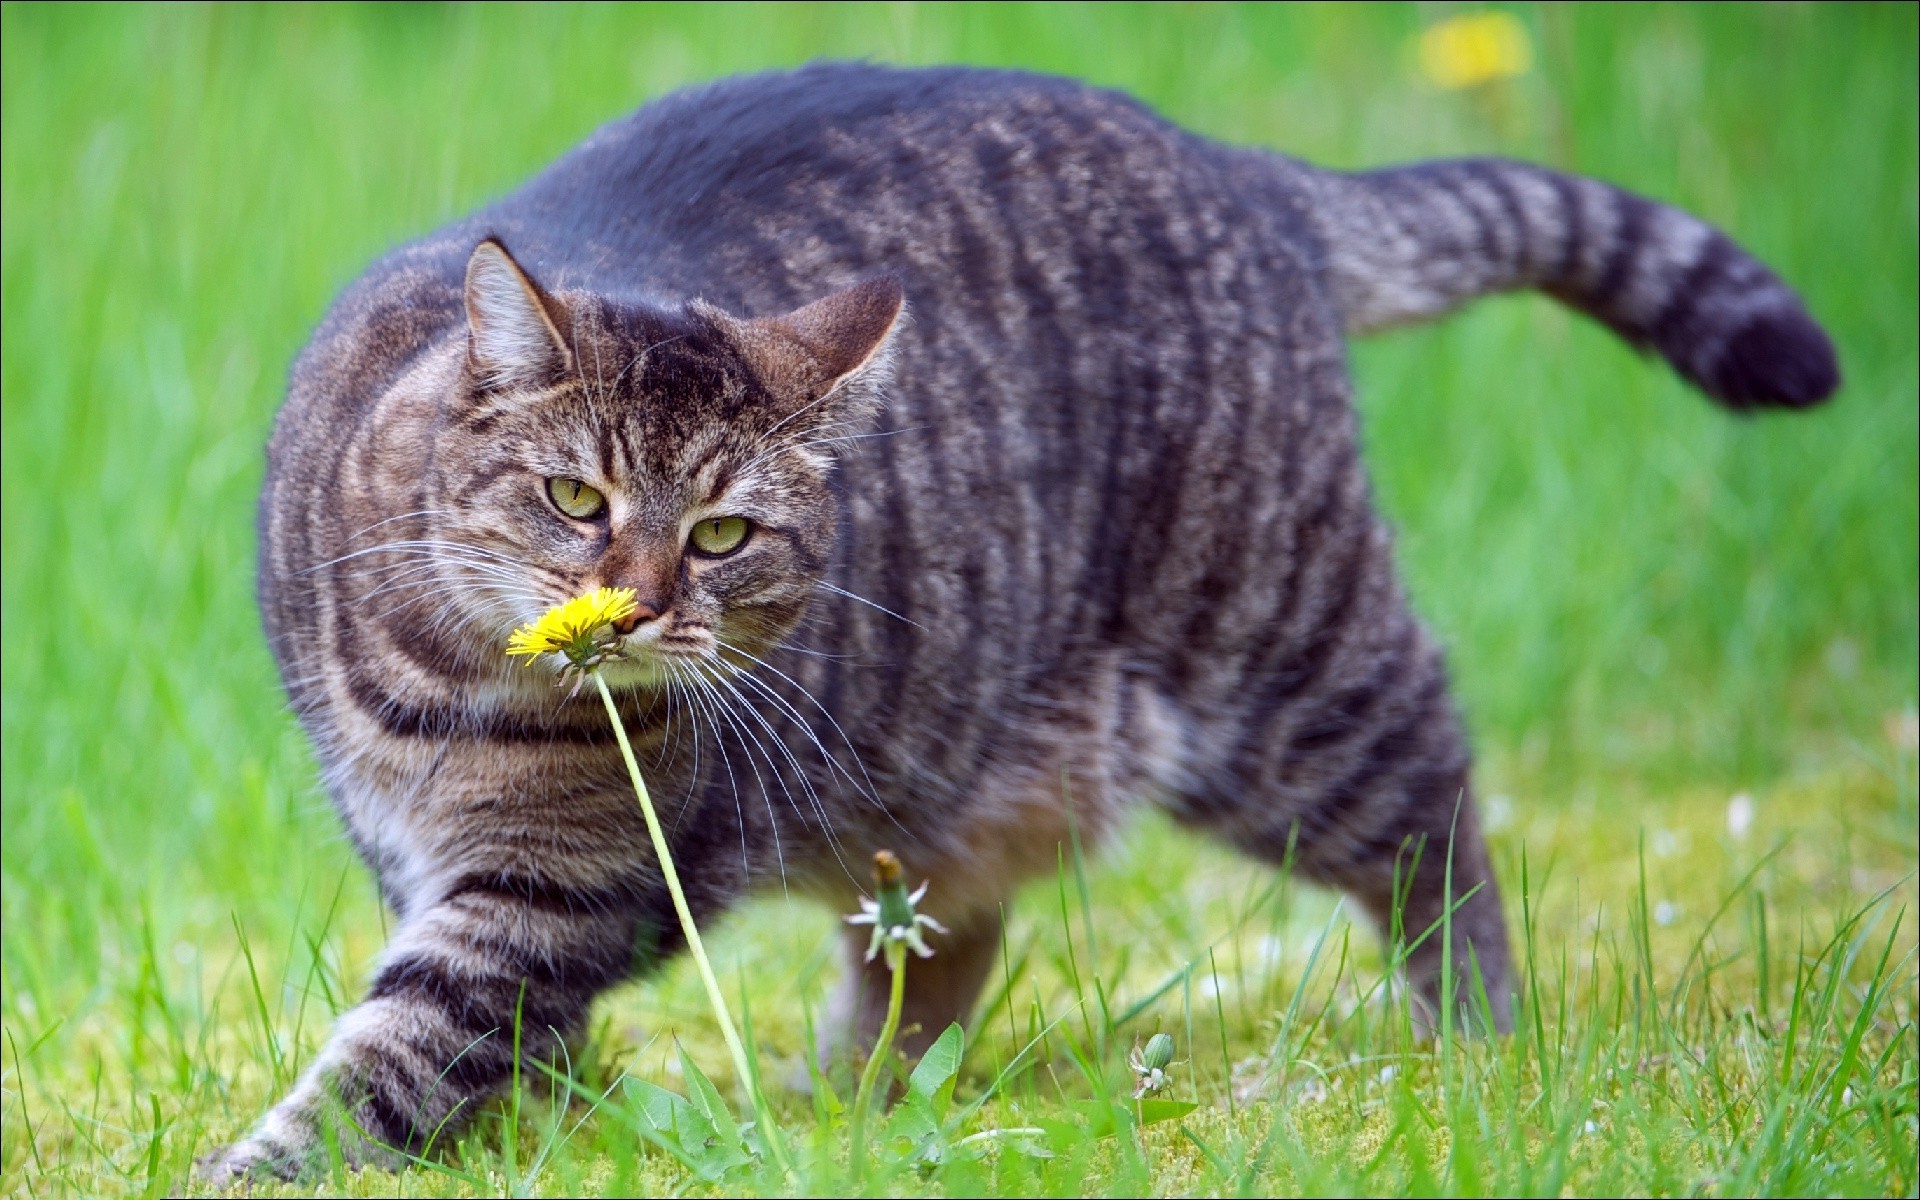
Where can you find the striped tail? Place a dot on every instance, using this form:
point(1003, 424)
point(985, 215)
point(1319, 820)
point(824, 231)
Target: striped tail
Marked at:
point(1410, 243)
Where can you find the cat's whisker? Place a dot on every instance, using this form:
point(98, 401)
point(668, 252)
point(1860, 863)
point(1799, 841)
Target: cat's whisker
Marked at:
point(416, 567)
point(798, 413)
point(765, 796)
point(840, 591)
point(733, 784)
point(670, 733)
point(427, 587)
point(812, 653)
point(720, 702)
point(453, 575)
point(856, 437)
point(693, 721)
point(799, 439)
point(397, 555)
point(866, 790)
point(479, 558)
point(791, 714)
point(409, 574)
point(718, 708)
point(800, 772)
point(410, 558)
point(418, 512)
point(445, 614)
point(697, 696)
point(641, 357)
point(416, 544)
point(421, 575)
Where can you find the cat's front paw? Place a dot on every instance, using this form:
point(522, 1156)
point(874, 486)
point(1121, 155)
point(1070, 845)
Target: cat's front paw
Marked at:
point(249, 1161)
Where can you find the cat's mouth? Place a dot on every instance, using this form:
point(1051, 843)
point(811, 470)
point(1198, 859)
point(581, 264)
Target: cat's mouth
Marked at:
point(652, 665)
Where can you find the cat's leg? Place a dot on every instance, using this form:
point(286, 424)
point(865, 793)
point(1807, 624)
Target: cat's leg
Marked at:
point(1354, 771)
point(1426, 880)
point(938, 992)
point(500, 959)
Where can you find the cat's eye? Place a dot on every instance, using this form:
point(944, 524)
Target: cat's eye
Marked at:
point(719, 535)
point(575, 498)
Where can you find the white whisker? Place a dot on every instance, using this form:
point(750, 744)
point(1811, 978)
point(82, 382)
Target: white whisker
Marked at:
point(800, 773)
point(839, 591)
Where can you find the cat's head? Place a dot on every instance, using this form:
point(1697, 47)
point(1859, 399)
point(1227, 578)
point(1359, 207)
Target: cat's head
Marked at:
point(684, 454)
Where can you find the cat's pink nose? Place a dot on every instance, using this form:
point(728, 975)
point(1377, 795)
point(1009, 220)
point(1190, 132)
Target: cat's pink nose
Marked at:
point(627, 624)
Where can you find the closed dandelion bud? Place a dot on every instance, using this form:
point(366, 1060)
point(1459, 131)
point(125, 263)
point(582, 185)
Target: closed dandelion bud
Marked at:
point(892, 913)
point(1158, 1054)
point(896, 907)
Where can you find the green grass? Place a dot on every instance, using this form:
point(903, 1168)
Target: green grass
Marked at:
point(1650, 606)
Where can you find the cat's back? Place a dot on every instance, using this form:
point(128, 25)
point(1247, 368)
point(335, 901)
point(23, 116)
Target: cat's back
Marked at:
point(1063, 249)
point(1112, 325)
point(749, 190)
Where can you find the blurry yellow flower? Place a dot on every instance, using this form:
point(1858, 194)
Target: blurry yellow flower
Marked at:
point(579, 629)
point(1475, 48)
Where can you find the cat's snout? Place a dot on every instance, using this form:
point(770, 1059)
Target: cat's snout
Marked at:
point(633, 620)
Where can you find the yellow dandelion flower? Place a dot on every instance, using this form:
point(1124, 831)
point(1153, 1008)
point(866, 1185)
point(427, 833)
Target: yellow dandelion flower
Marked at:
point(580, 628)
point(1475, 48)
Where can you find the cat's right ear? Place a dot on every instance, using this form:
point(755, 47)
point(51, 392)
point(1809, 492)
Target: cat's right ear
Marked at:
point(513, 337)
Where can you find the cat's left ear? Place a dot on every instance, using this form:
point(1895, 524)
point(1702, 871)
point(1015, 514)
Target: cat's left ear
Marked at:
point(513, 327)
point(837, 348)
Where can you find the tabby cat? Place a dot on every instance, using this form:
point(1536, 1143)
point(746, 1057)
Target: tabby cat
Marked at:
point(977, 443)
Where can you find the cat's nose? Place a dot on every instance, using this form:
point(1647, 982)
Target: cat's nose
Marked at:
point(632, 621)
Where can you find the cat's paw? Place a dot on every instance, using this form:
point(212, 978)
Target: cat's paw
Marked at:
point(249, 1161)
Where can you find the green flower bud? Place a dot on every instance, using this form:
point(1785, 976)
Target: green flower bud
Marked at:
point(1158, 1054)
point(890, 887)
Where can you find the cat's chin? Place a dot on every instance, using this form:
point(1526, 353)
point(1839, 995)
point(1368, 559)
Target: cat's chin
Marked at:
point(636, 674)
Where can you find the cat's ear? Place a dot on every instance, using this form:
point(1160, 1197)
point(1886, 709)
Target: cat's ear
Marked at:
point(513, 331)
point(838, 345)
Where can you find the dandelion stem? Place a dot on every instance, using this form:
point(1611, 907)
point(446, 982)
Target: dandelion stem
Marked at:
point(863, 1098)
point(741, 1065)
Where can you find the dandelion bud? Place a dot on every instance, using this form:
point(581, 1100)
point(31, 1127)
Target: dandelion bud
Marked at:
point(896, 907)
point(1159, 1052)
point(886, 869)
point(891, 912)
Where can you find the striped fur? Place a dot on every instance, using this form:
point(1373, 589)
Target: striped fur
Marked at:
point(1410, 243)
point(1089, 520)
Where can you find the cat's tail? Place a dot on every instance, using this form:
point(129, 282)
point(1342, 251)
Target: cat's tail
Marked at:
point(1410, 243)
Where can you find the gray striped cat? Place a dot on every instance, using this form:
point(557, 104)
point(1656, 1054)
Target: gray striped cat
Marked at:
point(973, 441)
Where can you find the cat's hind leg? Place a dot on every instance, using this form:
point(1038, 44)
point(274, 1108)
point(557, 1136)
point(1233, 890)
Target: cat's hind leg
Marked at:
point(1352, 768)
point(1426, 881)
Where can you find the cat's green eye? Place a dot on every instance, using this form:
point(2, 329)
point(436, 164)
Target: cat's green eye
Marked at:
point(720, 535)
point(575, 498)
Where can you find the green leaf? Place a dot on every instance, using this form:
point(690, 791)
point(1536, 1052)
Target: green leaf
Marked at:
point(707, 1099)
point(914, 1118)
point(1154, 1111)
point(921, 1114)
point(664, 1116)
point(932, 1080)
point(670, 1122)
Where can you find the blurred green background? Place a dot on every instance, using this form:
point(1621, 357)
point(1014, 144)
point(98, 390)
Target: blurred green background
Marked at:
point(1641, 594)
